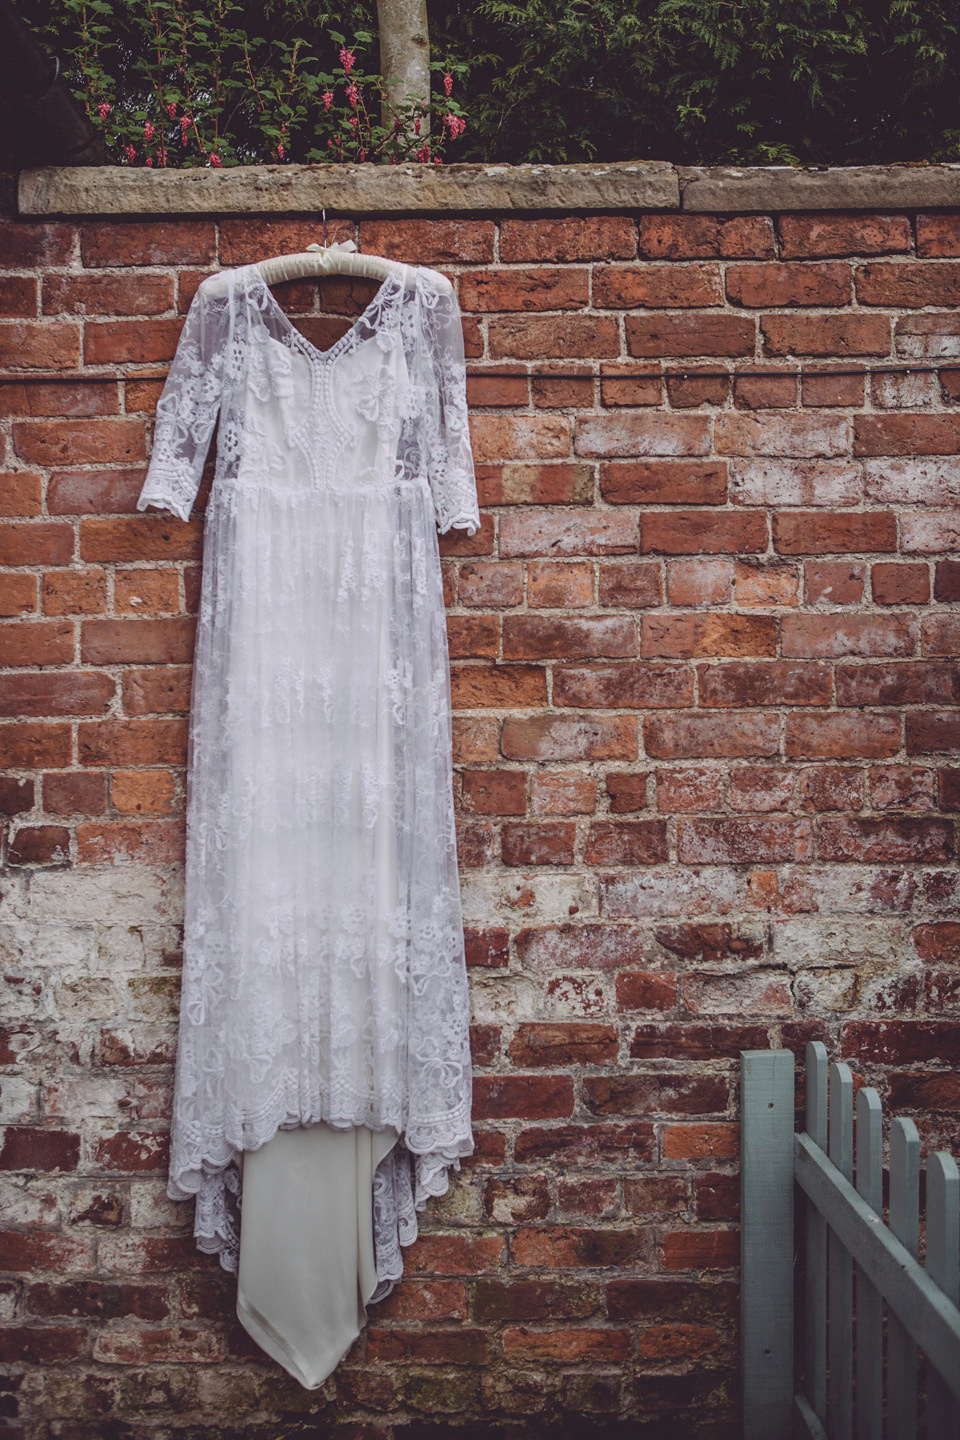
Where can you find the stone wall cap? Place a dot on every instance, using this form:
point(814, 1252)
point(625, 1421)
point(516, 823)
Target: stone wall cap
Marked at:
point(819, 187)
point(471, 189)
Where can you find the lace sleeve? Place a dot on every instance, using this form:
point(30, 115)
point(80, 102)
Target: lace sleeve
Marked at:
point(449, 458)
point(188, 407)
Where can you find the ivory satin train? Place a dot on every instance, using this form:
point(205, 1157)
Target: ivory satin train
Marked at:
point(307, 1268)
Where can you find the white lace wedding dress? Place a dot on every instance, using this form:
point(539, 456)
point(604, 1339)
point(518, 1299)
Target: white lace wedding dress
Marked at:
point(324, 983)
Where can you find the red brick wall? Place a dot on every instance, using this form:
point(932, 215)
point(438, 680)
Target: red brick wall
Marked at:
point(704, 666)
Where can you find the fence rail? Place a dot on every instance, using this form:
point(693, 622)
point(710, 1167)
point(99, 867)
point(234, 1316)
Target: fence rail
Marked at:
point(854, 1262)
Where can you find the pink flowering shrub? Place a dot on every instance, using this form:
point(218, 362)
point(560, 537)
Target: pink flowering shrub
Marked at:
point(205, 87)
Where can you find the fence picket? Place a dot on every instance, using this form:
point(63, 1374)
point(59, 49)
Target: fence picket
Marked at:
point(943, 1267)
point(904, 1223)
point(869, 1328)
point(815, 1290)
point(844, 1223)
point(840, 1265)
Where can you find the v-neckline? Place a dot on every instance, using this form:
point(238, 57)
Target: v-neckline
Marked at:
point(299, 338)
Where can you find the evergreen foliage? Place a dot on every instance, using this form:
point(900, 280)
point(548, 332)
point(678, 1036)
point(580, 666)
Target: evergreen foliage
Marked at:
point(693, 81)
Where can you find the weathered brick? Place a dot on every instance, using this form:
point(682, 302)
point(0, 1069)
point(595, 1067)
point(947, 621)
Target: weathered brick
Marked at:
point(627, 686)
point(40, 543)
point(653, 1094)
point(775, 391)
point(765, 583)
point(567, 1043)
point(543, 844)
point(534, 637)
point(646, 990)
point(115, 440)
point(498, 686)
point(811, 532)
point(560, 482)
point(624, 434)
point(885, 841)
point(132, 742)
point(709, 532)
point(705, 333)
point(580, 737)
point(562, 585)
point(534, 1097)
point(917, 434)
point(690, 737)
point(830, 787)
point(591, 237)
point(537, 337)
point(902, 787)
point(74, 592)
point(39, 845)
point(563, 793)
point(795, 482)
point(33, 745)
point(25, 1147)
point(894, 584)
point(947, 581)
point(159, 642)
point(687, 637)
point(647, 287)
point(694, 386)
point(709, 842)
point(565, 533)
point(681, 237)
point(824, 636)
point(504, 437)
point(786, 284)
point(825, 386)
point(835, 582)
point(626, 382)
point(760, 788)
point(36, 642)
point(782, 433)
point(699, 582)
point(473, 637)
point(18, 595)
point(594, 1248)
point(928, 336)
point(932, 732)
point(839, 735)
point(492, 792)
point(664, 482)
point(689, 790)
point(64, 692)
point(908, 283)
point(809, 235)
point(826, 334)
point(629, 586)
point(531, 288)
point(909, 683)
point(626, 842)
point(938, 235)
point(777, 682)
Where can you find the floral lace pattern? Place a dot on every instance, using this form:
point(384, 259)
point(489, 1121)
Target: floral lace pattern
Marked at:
point(324, 974)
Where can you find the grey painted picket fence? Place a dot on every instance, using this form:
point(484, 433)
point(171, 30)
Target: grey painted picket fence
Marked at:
point(850, 1255)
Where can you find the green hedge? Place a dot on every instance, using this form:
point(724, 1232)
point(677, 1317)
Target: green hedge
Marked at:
point(693, 81)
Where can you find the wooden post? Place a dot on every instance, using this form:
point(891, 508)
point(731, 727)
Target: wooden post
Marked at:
point(766, 1243)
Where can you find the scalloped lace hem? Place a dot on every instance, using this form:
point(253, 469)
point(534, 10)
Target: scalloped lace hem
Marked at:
point(404, 1181)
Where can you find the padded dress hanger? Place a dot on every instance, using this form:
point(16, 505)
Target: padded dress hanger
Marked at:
point(341, 258)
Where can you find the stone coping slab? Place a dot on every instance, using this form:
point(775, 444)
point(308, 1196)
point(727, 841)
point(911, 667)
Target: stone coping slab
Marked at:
point(412, 189)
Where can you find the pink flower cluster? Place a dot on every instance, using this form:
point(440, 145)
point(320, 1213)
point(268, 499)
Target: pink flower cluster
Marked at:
point(455, 125)
point(447, 84)
point(347, 60)
point(103, 109)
